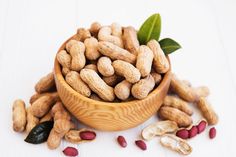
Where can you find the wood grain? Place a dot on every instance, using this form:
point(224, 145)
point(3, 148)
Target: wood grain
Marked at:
point(109, 116)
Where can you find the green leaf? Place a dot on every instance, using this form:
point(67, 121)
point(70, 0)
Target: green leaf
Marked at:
point(150, 29)
point(40, 133)
point(169, 45)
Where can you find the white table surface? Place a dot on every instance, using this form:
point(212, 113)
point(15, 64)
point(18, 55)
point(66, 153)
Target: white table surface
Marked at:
point(32, 31)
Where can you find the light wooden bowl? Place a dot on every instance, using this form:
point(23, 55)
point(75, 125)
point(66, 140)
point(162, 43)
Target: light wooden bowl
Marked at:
point(109, 116)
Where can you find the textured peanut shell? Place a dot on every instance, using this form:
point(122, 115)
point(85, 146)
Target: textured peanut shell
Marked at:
point(78, 58)
point(45, 83)
point(182, 90)
point(130, 39)
point(104, 34)
point(207, 111)
point(176, 144)
point(122, 90)
point(104, 66)
point(94, 28)
point(74, 80)
point(160, 62)
point(91, 45)
point(116, 30)
point(73, 136)
point(97, 85)
point(144, 60)
point(142, 88)
point(59, 112)
point(112, 80)
point(42, 105)
point(158, 129)
point(62, 126)
point(115, 52)
point(19, 115)
point(202, 91)
point(95, 97)
point(54, 139)
point(64, 58)
point(70, 43)
point(126, 70)
point(82, 34)
point(173, 114)
point(32, 121)
point(91, 66)
point(34, 97)
point(157, 77)
point(178, 103)
point(46, 117)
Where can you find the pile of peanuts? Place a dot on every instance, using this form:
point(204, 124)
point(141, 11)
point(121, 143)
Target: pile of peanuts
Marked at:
point(107, 63)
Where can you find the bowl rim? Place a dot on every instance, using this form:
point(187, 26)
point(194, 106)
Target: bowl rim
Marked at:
point(61, 79)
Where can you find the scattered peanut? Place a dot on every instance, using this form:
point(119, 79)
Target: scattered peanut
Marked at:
point(19, 115)
point(122, 90)
point(42, 105)
point(144, 60)
point(126, 70)
point(97, 85)
point(91, 45)
point(178, 103)
point(158, 129)
point(115, 52)
point(45, 83)
point(105, 35)
point(32, 121)
point(160, 62)
point(74, 80)
point(182, 90)
point(130, 39)
point(142, 88)
point(175, 143)
point(170, 113)
point(104, 66)
point(122, 142)
point(202, 91)
point(36, 96)
point(207, 111)
point(80, 136)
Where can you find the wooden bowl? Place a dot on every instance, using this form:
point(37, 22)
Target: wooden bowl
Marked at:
point(109, 116)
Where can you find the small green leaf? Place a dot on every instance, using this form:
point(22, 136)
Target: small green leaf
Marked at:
point(40, 133)
point(169, 45)
point(150, 29)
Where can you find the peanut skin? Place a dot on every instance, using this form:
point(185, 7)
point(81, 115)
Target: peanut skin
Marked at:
point(91, 45)
point(122, 90)
point(142, 88)
point(160, 62)
point(207, 111)
point(144, 60)
point(130, 39)
point(19, 115)
point(32, 121)
point(78, 58)
point(182, 90)
point(178, 103)
point(170, 113)
point(74, 80)
point(105, 35)
point(115, 52)
point(42, 105)
point(97, 85)
point(126, 70)
point(45, 83)
point(104, 66)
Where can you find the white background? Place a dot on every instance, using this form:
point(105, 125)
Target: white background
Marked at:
point(32, 31)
